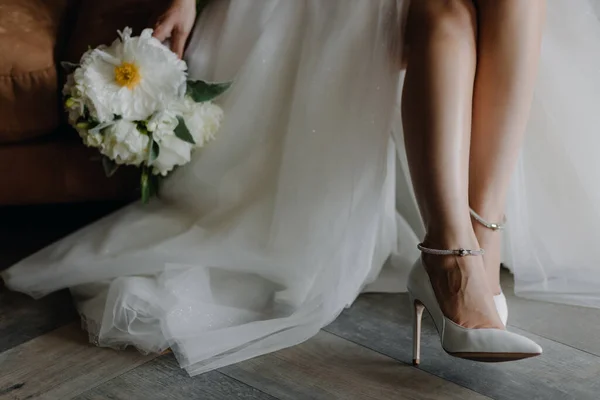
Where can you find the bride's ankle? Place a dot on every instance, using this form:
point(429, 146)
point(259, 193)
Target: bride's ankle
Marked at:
point(492, 242)
point(451, 239)
point(460, 285)
point(447, 240)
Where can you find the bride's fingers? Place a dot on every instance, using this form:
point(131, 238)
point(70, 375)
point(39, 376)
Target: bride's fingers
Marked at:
point(162, 31)
point(178, 39)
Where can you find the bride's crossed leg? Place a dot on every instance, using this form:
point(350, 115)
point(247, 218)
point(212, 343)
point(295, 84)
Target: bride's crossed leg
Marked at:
point(437, 104)
point(469, 86)
point(509, 40)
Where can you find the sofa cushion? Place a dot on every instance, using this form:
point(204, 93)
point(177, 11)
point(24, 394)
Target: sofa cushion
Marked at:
point(98, 22)
point(29, 33)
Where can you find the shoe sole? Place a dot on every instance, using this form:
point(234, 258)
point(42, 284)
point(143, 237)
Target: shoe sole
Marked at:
point(494, 357)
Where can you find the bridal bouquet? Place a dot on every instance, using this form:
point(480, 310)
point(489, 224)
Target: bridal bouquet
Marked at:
point(132, 101)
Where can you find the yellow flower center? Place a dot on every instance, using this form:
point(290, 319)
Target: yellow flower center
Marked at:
point(127, 75)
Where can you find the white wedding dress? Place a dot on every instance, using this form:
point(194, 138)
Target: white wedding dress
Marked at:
point(279, 224)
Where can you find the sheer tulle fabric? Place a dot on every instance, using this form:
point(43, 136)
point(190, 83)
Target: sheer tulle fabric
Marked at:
point(554, 207)
point(277, 226)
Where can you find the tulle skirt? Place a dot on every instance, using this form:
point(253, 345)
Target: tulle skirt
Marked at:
point(304, 199)
point(554, 205)
point(276, 226)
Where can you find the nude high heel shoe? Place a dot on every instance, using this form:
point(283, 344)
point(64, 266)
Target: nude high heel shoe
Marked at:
point(499, 299)
point(486, 344)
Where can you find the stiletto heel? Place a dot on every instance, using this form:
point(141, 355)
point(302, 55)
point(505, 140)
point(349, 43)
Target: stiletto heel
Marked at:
point(484, 344)
point(499, 299)
point(417, 316)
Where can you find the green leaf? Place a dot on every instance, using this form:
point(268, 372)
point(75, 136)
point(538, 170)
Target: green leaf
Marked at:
point(149, 184)
point(87, 117)
point(142, 127)
point(110, 167)
point(154, 151)
point(182, 131)
point(69, 67)
point(201, 91)
point(145, 184)
point(99, 129)
point(154, 180)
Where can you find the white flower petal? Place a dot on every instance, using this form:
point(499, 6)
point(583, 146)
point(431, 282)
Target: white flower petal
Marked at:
point(173, 152)
point(124, 144)
point(203, 121)
point(161, 76)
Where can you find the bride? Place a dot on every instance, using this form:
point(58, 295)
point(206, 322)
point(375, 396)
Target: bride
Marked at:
point(277, 226)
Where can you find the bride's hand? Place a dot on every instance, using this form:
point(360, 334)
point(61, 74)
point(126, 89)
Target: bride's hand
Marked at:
point(176, 23)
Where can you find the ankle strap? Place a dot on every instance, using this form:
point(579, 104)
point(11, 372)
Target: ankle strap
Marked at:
point(495, 226)
point(457, 252)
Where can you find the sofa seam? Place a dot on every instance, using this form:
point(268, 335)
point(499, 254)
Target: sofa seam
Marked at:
point(29, 73)
point(47, 129)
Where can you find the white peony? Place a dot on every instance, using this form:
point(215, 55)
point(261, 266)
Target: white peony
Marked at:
point(162, 122)
point(124, 144)
point(129, 101)
point(131, 78)
point(173, 151)
point(203, 120)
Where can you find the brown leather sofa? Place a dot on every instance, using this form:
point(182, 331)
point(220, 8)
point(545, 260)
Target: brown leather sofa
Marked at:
point(42, 160)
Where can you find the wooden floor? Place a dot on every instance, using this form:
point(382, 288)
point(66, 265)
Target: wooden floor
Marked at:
point(364, 354)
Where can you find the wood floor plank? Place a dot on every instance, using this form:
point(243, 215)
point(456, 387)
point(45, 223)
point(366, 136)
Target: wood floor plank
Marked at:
point(563, 323)
point(60, 365)
point(383, 323)
point(162, 378)
point(328, 367)
point(24, 230)
point(22, 318)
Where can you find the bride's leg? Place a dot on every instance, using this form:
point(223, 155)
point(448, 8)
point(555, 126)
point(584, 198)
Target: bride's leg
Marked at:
point(436, 109)
point(508, 52)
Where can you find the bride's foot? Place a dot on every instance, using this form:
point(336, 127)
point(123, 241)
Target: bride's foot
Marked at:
point(456, 295)
point(461, 285)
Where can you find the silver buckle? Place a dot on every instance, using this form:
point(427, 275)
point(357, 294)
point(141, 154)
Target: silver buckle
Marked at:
point(463, 252)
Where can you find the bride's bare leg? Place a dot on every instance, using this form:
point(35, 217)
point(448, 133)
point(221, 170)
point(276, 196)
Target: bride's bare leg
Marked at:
point(508, 51)
point(436, 109)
